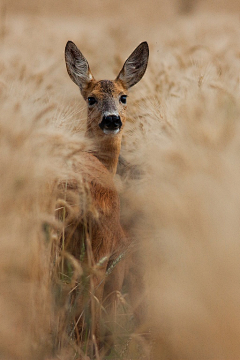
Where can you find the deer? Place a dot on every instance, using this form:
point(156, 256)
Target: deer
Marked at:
point(106, 102)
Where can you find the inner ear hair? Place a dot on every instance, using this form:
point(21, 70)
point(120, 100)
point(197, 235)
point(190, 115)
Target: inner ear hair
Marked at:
point(135, 66)
point(77, 66)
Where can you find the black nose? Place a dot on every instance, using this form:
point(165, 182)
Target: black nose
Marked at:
point(111, 122)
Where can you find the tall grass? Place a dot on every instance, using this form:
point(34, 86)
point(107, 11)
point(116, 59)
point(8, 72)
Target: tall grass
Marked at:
point(180, 195)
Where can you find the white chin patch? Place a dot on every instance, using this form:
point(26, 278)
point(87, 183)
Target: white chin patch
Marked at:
point(111, 132)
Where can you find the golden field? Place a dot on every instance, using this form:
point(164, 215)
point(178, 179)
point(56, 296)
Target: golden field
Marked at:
point(183, 133)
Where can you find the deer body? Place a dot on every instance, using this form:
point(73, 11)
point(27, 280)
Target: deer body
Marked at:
point(106, 101)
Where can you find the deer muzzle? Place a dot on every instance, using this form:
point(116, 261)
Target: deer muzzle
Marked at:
point(111, 124)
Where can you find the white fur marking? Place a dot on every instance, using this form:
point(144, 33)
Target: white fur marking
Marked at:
point(111, 132)
point(107, 113)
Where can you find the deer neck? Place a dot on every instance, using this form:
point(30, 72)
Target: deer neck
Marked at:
point(106, 150)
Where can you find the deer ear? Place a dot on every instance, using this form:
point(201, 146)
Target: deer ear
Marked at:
point(135, 66)
point(77, 66)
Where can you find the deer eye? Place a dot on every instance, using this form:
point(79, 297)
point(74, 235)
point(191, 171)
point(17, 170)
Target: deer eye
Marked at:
point(123, 99)
point(91, 100)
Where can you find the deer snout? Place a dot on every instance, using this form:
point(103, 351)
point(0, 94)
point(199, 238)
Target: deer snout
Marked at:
point(111, 124)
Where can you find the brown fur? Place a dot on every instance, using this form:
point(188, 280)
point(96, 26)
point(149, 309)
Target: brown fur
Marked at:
point(98, 167)
point(107, 148)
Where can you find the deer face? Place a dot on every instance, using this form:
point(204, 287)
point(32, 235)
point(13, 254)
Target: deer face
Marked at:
point(106, 100)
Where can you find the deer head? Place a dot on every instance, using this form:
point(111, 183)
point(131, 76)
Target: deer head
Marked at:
point(106, 99)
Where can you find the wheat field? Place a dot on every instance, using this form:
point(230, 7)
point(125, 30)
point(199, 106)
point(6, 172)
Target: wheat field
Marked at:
point(182, 133)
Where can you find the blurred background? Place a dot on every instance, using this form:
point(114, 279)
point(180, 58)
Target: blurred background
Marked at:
point(96, 8)
point(183, 132)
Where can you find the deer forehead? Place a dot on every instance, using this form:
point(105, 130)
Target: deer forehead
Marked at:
point(107, 88)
